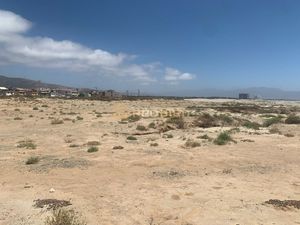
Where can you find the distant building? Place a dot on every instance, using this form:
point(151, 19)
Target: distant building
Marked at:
point(3, 90)
point(244, 96)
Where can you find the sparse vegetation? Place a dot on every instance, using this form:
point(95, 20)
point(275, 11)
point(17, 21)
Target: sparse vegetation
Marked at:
point(79, 118)
point(223, 138)
point(151, 125)
point(275, 130)
point(32, 160)
point(168, 136)
point(131, 138)
point(293, 119)
point(177, 121)
point(118, 147)
point(271, 121)
point(205, 137)
point(93, 143)
point(141, 128)
point(251, 125)
point(28, 144)
point(51, 203)
point(73, 145)
point(35, 108)
point(92, 149)
point(289, 135)
point(225, 119)
point(154, 144)
point(132, 118)
point(64, 217)
point(205, 120)
point(234, 130)
point(17, 118)
point(57, 121)
point(191, 144)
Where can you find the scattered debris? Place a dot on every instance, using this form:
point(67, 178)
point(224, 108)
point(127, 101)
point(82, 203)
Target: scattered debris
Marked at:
point(170, 174)
point(51, 203)
point(285, 204)
point(227, 171)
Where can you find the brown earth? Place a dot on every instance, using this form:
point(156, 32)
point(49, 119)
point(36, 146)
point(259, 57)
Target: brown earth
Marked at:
point(145, 183)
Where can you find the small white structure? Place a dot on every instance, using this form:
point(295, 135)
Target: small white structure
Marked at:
point(3, 91)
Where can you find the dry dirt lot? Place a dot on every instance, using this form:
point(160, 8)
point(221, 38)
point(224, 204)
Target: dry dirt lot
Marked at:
point(174, 173)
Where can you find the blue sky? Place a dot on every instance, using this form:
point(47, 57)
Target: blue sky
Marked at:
point(153, 45)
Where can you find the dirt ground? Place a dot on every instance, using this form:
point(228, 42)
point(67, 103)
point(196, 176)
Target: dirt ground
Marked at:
point(143, 183)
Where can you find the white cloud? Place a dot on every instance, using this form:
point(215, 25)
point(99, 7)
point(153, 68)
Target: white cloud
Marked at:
point(18, 48)
point(12, 23)
point(172, 75)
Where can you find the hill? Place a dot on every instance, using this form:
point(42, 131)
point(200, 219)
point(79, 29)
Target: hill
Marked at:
point(13, 82)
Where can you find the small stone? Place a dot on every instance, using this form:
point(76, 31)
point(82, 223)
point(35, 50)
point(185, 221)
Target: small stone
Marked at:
point(52, 190)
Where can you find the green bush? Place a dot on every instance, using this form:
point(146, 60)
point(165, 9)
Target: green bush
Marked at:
point(223, 138)
point(92, 149)
point(141, 128)
point(131, 138)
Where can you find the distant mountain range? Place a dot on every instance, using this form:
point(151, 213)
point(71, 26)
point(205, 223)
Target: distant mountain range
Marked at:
point(11, 82)
point(260, 92)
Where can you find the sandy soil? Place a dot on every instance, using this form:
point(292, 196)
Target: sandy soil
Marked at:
point(142, 184)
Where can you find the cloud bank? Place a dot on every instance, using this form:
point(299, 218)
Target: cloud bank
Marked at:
point(18, 48)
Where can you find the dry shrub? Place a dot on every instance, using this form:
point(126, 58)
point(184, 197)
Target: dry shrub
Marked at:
point(251, 125)
point(178, 121)
point(28, 144)
point(271, 121)
point(293, 119)
point(32, 160)
point(64, 217)
point(206, 120)
point(57, 121)
point(141, 128)
point(191, 144)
